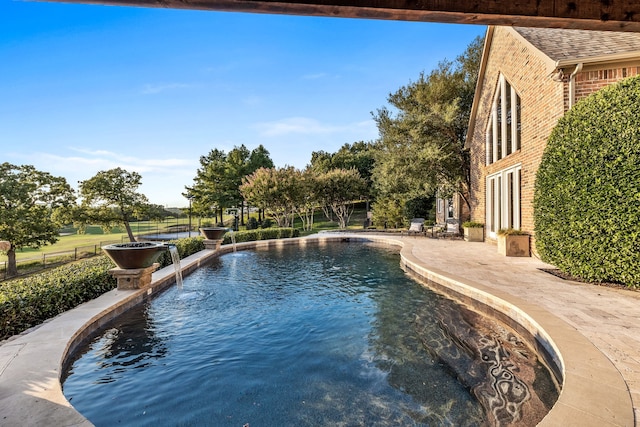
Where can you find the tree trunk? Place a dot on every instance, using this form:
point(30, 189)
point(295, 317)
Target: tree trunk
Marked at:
point(465, 197)
point(129, 231)
point(12, 268)
point(328, 212)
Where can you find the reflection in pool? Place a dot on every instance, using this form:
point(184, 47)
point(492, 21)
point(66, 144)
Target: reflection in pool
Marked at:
point(337, 335)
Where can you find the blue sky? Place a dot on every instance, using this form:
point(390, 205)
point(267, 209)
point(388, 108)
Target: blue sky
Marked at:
point(85, 88)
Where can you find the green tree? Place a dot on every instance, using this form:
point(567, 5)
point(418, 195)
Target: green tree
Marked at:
point(388, 213)
point(283, 192)
point(421, 144)
point(305, 196)
point(338, 189)
point(208, 187)
point(156, 213)
point(259, 158)
point(110, 198)
point(28, 201)
point(358, 156)
point(218, 180)
point(271, 189)
point(321, 161)
point(237, 167)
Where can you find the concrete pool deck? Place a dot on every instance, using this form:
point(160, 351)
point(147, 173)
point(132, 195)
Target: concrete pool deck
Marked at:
point(595, 329)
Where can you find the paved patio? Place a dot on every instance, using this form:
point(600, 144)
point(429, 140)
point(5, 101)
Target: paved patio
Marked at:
point(30, 393)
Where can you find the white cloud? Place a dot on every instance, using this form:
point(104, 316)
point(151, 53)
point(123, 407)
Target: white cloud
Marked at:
point(307, 126)
point(93, 152)
point(108, 159)
point(163, 179)
point(294, 125)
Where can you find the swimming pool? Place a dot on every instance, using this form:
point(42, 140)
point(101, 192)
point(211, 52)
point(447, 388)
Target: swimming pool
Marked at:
point(337, 335)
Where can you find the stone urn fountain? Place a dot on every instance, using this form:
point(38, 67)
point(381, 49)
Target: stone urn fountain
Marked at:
point(135, 262)
point(213, 233)
point(213, 236)
point(134, 254)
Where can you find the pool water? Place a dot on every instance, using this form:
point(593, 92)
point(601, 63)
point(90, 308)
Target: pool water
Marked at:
point(337, 336)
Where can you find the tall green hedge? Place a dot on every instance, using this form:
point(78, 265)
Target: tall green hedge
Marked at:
point(27, 302)
point(587, 191)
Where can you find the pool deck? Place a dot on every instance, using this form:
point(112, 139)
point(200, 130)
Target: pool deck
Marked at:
point(595, 329)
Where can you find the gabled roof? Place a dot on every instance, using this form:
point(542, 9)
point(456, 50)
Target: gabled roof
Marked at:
point(572, 46)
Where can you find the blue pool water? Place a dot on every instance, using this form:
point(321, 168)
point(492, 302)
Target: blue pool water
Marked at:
point(337, 335)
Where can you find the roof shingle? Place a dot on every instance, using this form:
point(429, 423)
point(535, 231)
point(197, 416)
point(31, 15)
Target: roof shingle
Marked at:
point(563, 44)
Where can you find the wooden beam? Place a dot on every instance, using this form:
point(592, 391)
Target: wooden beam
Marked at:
point(577, 14)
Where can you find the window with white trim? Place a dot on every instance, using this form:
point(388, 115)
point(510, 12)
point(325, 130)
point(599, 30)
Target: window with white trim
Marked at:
point(503, 130)
point(503, 200)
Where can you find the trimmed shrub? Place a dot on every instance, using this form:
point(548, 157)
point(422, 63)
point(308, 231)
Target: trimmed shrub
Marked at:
point(587, 191)
point(186, 247)
point(252, 224)
point(472, 224)
point(261, 234)
point(27, 302)
point(388, 213)
point(243, 236)
point(511, 232)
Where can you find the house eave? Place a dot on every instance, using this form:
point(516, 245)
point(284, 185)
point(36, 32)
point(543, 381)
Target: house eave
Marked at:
point(588, 15)
point(483, 65)
point(598, 60)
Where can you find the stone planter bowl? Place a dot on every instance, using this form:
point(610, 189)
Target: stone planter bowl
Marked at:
point(134, 254)
point(213, 233)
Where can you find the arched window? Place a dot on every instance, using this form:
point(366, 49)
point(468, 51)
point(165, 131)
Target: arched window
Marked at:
point(503, 130)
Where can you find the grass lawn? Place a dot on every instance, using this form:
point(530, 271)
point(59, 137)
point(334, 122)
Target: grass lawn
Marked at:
point(95, 236)
point(320, 222)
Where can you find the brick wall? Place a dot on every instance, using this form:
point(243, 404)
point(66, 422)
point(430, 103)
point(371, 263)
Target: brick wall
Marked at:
point(591, 81)
point(460, 210)
point(542, 105)
point(543, 102)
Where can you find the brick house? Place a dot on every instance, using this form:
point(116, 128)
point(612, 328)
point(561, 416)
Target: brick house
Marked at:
point(528, 79)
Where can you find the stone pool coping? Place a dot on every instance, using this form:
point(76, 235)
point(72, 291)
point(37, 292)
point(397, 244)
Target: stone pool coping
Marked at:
point(594, 392)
